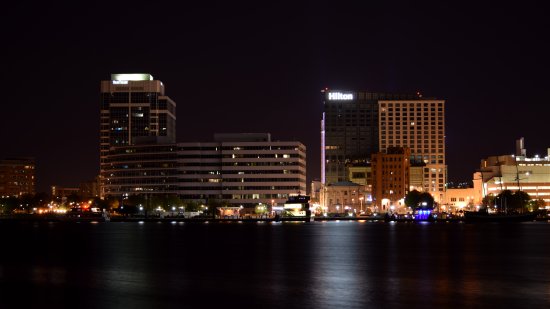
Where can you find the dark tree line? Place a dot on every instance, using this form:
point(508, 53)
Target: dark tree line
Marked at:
point(510, 201)
point(416, 199)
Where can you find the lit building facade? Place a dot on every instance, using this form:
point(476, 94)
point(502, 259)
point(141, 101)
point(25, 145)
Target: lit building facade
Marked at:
point(416, 177)
point(141, 169)
point(390, 177)
point(133, 106)
point(61, 192)
point(17, 176)
point(90, 189)
point(464, 198)
point(350, 130)
point(315, 192)
point(242, 169)
point(517, 172)
point(362, 175)
point(419, 125)
point(343, 197)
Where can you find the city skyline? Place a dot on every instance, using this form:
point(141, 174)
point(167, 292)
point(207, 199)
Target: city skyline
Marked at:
point(263, 68)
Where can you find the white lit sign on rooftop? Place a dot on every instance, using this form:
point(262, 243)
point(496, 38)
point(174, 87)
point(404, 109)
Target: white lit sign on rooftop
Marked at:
point(332, 96)
point(124, 78)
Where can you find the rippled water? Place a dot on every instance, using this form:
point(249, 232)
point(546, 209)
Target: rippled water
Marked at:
point(274, 265)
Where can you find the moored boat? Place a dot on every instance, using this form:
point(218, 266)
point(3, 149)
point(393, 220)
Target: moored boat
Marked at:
point(474, 216)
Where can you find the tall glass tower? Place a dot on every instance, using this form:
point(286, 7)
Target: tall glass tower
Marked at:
point(134, 107)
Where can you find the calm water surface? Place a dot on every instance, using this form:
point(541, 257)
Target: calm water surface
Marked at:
point(274, 265)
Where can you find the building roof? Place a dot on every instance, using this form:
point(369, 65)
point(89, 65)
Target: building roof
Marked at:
point(345, 184)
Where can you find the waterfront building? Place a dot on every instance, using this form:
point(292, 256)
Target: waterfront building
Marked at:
point(86, 190)
point(343, 197)
point(63, 192)
point(17, 176)
point(362, 175)
point(350, 130)
point(315, 191)
point(460, 198)
point(464, 197)
point(90, 189)
point(242, 169)
point(517, 172)
point(391, 178)
point(357, 124)
point(141, 169)
point(133, 106)
point(416, 177)
point(419, 125)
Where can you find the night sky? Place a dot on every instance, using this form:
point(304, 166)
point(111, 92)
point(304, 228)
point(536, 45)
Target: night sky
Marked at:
point(245, 67)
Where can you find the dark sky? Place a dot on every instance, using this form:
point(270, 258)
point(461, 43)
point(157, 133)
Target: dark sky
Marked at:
point(259, 67)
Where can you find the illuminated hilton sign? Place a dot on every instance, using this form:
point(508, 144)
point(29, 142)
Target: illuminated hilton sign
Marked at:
point(340, 96)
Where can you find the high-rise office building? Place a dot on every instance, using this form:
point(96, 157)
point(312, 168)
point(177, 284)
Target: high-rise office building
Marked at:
point(133, 107)
point(349, 130)
point(357, 124)
point(419, 125)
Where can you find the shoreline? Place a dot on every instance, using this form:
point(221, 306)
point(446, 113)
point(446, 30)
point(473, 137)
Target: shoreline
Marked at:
point(45, 218)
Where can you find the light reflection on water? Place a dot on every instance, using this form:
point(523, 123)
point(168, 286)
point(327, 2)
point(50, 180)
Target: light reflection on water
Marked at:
point(300, 265)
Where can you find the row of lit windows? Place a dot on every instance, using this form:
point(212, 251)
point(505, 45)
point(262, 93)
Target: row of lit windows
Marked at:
point(426, 176)
point(156, 188)
point(419, 149)
point(413, 146)
point(411, 111)
point(460, 199)
point(350, 113)
point(389, 185)
point(258, 164)
point(256, 196)
point(418, 138)
point(439, 105)
point(349, 122)
point(411, 116)
point(413, 126)
point(128, 181)
point(418, 135)
point(154, 172)
point(412, 141)
point(389, 169)
point(241, 188)
point(247, 172)
point(262, 156)
point(231, 180)
point(181, 148)
point(433, 185)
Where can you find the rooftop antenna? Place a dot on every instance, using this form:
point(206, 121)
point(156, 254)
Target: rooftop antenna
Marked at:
point(520, 152)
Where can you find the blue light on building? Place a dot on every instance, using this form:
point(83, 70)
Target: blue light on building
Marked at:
point(423, 214)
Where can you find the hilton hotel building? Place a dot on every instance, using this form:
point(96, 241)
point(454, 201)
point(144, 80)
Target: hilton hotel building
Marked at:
point(357, 124)
point(350, 130)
